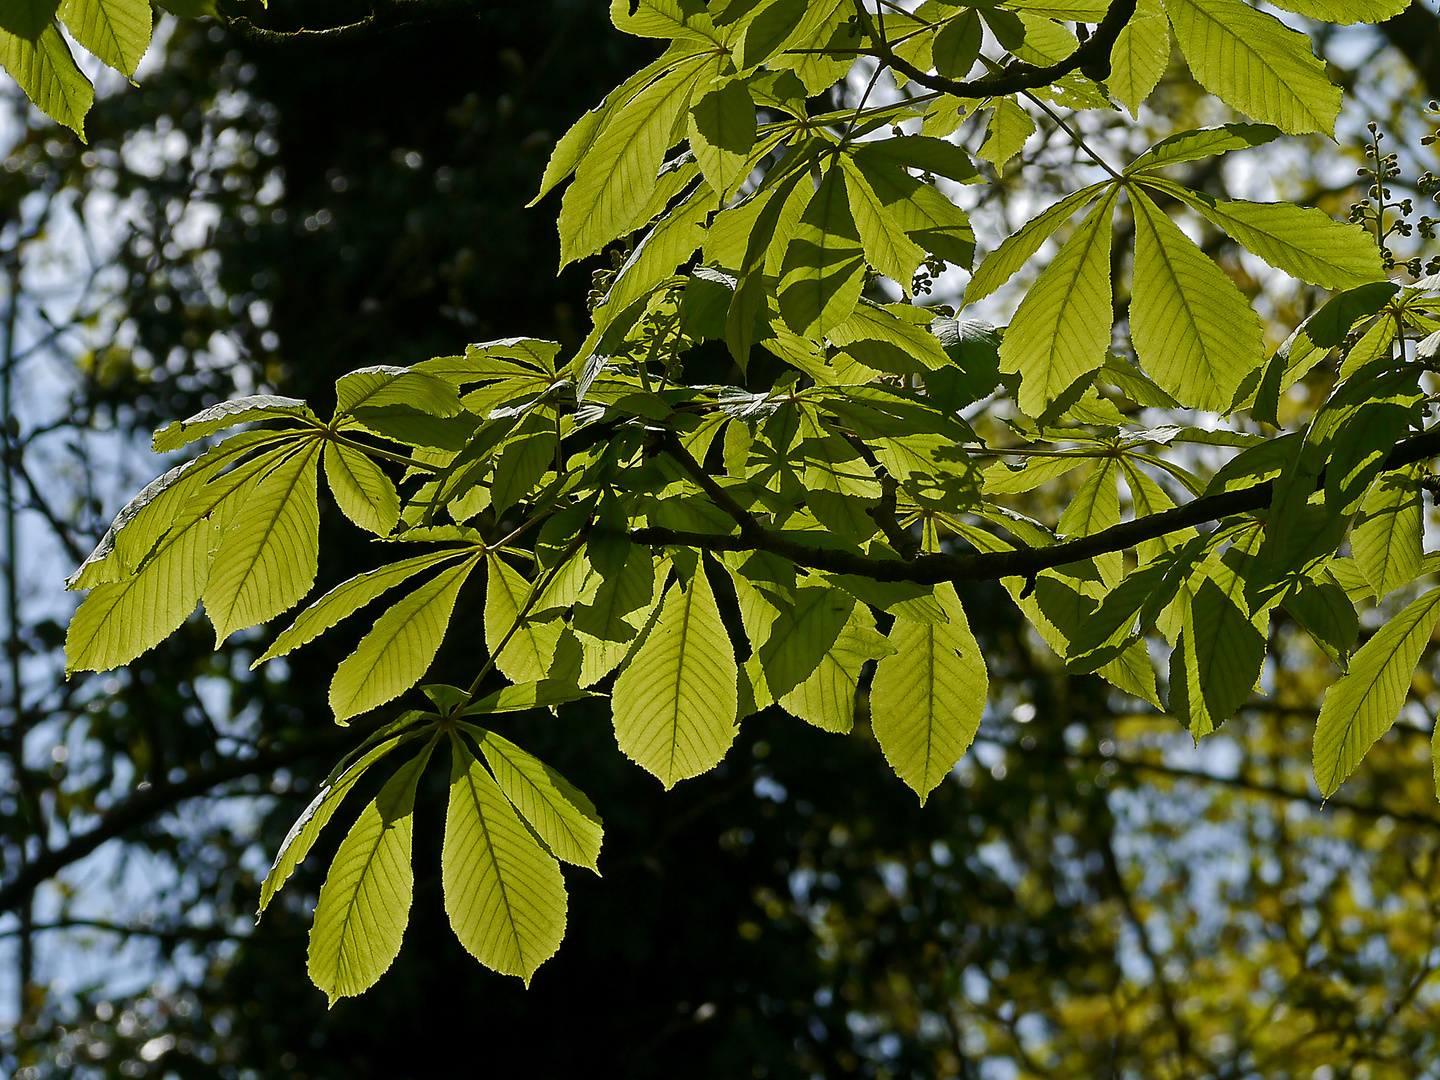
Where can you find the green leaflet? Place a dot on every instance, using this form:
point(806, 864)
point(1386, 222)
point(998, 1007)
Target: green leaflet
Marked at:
point(800, 636)
point(1254, 62)
point(750, 299)
point(116, 31)
point(722, 131)
point(1203, 142)
point(1096, 507)
point(1327, 327)
point(1010, 127)
point(662, 19)
point(523, 697)
point(824, 264)
point(675, 703)
point(926, 216)
point(614, 181)
point(1194, 333)
point(347, 598)
point(27, 18)
point(826, 697)
point(577, 142)
point(531, 648)
point(504, 893)
point(49, 76)
point(269, 554)
point(1327, 614)
point(1386, 538)
point(1362, 704)
point(1000, 266)
point(384, 385)
point(656, 256)
point(1061, 330)
point(306, 830)
point(927, 697)
point(1221, 648)
point(149, 515)
point(1346, 11)
point(957, 45)
point(1301, 240)
point(1140, 55)
point(520, 465)
point(119, 620)
point(887, 247)
point(227, 414)
point(395, 654)
point(365, 901)
point(363, 492)
point(559, 813)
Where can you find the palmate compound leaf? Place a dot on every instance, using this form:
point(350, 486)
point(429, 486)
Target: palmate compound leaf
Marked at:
point(504, 893)
point(675, 704)
point(1252, 61)
point(928, 695)
point(1362, 704)
point(365, 902)
point(614, 181)
point(121, 619)
point(307, 828)
point(48, 74)
point(270, 551)
point(397, 651)
point(1194, 332)
point(1301, 240)
point(560, 813)
point(1062, 328)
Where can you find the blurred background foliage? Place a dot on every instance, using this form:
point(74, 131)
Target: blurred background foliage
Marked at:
point(1090, 896)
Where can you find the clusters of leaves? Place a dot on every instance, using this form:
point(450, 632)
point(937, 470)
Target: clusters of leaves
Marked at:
point(838, 506)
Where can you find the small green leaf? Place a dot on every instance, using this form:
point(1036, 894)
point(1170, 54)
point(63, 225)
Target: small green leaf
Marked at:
point(27, 18)
point(559, 813)
point(531, 649)
point(1140, 55)
point(957, 45)
point(1203, 142)
point(1010, 127)
point(722, 131)
point(675, 703)
point(504, 893)
point(268, 556)
point(1001, 265)
point(116, 31)
point(363, 492)
point(1193, 331)
point(1328, 327)
point(1061, 331)
point(228, 414)
point(1363, 704)
point(306, 830)
point(365, 901)
point(824, 264)
point(523, 697)
point(1252, 61)
point(928, 695)
point(804, 631)
point(1345, 11)
point(826, 697)
point(347, 598)
point(1387, 535)
point(887, 248)
point(48, 74)
point(398, 649)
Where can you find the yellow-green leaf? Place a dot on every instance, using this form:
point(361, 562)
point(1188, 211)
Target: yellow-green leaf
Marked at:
point(675, 704)
point(504, 893)
point(397, 651)
point(1140, 55)
point(1194, 333)
point(531, 648)
point(1061, 330)
point(559, 812)
point(1362, 704)
point(824, 264)
point(117, 31)
point(49, 76)
point(1387, 535)
point(365, 901)
point(928, 695)
point(826, 697)
point(363, 492)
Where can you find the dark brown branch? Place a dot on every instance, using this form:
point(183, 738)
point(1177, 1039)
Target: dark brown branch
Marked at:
point(1023, 562)
point(1017, 76)
point(385, 16)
